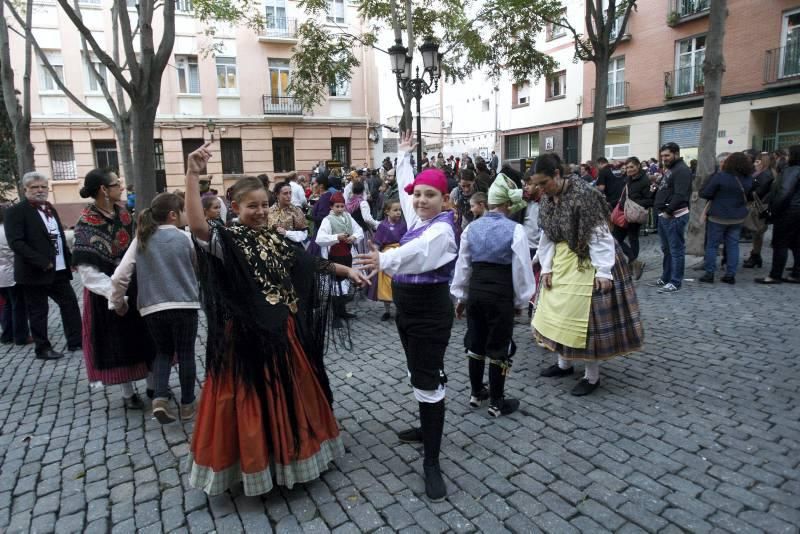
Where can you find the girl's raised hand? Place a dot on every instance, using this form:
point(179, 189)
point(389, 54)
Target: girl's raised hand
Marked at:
point(407, 143)
point(358, 278)
point(369, 261)
point(196, 161)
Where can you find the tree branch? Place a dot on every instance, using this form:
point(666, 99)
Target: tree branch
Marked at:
point(630, 5)
point(164, 53)
point(127, 39)
point(94, 72)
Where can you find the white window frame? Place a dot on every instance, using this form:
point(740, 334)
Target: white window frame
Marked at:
point(561, 80)
point(275, 12)
point(227, 65)
point(278, 92)
point(183, 66)
point(784, 43)
point(333, 17)
point(523, 94)
point(184, 6)
point(341, 89)
point(47, 83)
point(92, 83)
point(556, 31)
point(694, 54)
point(616, 82)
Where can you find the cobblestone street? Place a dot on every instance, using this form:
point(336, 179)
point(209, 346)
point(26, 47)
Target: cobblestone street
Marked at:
point(698, 433)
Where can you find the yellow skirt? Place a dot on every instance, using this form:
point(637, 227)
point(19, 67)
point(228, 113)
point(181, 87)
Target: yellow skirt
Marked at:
point(384, 293)
point(563, 311)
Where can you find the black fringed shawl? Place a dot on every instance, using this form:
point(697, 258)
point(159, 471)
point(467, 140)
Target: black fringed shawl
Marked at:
point(248, 297)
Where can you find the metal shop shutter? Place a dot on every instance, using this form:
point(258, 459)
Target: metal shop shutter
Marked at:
point(685, 133)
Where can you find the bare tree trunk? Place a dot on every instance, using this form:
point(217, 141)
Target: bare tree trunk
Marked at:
point(142, 148)
point(713, 70)
point(124, 150)
point(600, 105)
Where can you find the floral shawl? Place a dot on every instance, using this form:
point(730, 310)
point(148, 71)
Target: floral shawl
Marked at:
point(289, 218)
point(101, 241)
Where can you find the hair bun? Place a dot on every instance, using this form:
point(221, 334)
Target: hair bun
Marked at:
point(84, 193)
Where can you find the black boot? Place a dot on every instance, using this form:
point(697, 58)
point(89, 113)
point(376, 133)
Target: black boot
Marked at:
point(431, 416)
point(498, 404)
point(479, 392)
point(754, 260)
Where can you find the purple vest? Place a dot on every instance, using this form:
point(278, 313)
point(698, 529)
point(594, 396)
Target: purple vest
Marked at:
point(438, 276)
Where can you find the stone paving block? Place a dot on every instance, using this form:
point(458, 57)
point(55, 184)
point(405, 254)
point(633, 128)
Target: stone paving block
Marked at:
point(333, 514)
point(549, 522)
point(767, 522)
point(642, 517)
point(686, 520)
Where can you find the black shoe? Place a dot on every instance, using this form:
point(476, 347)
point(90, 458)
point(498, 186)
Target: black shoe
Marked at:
point(728, 279)
point(475, 399)
point(49, 354)
point(6, 341)
point(503, 407)
point(411, 435)
point(348, 315)
point(707, 278)
point(386, 316)
point(27, 341)
point(134, 402)
point(753, 261)
point(338, 322)
point(554, 371)
point(768, 281)
point(584, 387)
point(435, 488)
point(74, 348)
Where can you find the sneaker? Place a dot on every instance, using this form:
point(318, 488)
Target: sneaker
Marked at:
point(657, 283)
point(134, 402)
point(669, 288)
point(505, 407)
point(584, 387)
point(162, 412)
point(707, 278)
point(412, 435)
point(476, 400)
point(556, 371)
point(187, 411)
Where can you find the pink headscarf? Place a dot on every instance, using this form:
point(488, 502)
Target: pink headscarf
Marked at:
point(431, 177)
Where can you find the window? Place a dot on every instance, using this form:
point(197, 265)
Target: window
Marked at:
point(188, 75)
point(189, 146)
point(276, 14)
point(62, 160)
point(556, 85)
point(336, 11)
point(183, 6)
point(616, 83)
point(231, 156)
point(105, 155)
point(226, 76)
point(690, 7)
point(790, 43)
point(485, 106)
point(554, 31)
point(46, 81)
point(94, 67)
point(132, 3)
point(522, 145)
point(279, 70)
point(618, 142)
point(283, 154)
point(339, 87)
point(340, 150)
point(161, 174)
point(689, 65)
point(520, 94)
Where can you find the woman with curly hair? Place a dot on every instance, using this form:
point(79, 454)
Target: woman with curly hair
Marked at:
point(117, 350)
point(587, 308)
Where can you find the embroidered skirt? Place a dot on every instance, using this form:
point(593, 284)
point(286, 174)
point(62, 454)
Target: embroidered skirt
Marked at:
point(615, 327)
point(230, 440)
point(381, 287)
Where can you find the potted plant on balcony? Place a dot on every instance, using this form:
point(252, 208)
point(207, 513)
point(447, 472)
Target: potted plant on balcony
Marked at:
point(673, 18)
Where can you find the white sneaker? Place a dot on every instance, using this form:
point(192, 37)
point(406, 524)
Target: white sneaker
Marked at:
point(657, 283)
point(669, 288)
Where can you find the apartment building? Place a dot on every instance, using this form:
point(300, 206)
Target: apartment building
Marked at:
point(241, 87)
point(656, 88)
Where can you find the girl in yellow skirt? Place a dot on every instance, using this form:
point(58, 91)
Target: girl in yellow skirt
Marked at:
point(387, 237)
point(587, 309)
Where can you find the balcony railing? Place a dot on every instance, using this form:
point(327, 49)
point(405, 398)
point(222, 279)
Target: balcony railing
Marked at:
point(617, 95)
point(281, 105)
point(280, 28)
point(681, 9)
point(782, 64)
point(184, 6)
point(687, 81)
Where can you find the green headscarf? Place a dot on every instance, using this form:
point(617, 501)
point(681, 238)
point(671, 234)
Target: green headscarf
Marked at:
point(504, 190)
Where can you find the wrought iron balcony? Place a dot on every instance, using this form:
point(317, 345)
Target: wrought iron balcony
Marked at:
point(281, 105)
point(782, 64)
point(279, 29)
point(681, 10)
point(617, 98)
point(684, 82)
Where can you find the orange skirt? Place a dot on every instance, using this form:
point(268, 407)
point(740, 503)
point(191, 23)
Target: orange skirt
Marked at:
point(230, 443)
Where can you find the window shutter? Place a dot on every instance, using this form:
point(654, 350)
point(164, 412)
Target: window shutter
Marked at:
point(686, 133)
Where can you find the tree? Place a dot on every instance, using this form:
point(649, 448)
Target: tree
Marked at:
point(19, 113)
point(9, 173)
point(496, 37)
point(713, 71)
point(605, 28)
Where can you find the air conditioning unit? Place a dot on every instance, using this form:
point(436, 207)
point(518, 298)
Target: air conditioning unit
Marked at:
point(447, 124)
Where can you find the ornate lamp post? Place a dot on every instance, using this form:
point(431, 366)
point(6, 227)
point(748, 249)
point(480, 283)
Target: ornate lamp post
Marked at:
point(419, 85)
point(210, 126)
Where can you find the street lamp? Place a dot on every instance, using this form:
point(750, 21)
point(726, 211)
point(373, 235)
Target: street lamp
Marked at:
point(210, 126)
point(418, 85)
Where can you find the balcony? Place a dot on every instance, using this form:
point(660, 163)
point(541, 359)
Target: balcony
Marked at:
point(782, 64)
point(686, 10)
point(281, 105)
point(617, 98)
point(279, 31)
point(684, 84)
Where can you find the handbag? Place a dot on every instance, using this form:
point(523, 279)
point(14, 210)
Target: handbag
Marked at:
point(634, 213)
point(618, 216)
point(753, 220)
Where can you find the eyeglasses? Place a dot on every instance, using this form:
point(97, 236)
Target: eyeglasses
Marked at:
point(113, 185)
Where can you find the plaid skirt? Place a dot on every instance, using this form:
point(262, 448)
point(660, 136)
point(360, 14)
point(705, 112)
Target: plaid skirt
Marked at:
point(615, 327)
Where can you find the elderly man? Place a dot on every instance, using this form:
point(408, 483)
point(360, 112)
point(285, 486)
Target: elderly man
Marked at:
point(298, 191)
point(42, 264)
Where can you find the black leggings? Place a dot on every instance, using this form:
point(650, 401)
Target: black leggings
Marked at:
point(174, 332)
point(631, 248)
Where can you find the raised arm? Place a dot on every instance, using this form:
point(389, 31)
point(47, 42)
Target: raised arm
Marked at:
point(194, 208)
point(405, 176)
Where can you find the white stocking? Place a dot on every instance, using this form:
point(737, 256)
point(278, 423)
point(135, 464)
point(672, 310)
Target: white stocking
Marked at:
point(127, 390)
point(563, 364)
point(592, 372)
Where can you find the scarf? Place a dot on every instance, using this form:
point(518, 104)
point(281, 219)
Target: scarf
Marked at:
point(43, 206)
point(579, 211)
point(354, 203)
point(340, 224)
point(503, 191)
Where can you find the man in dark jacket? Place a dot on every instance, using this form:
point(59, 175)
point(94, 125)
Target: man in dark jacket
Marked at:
point(672, 205)
point(609, 183)
point(43, 264)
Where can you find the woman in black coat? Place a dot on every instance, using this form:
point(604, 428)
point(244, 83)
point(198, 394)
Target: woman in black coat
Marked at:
point(638, 190)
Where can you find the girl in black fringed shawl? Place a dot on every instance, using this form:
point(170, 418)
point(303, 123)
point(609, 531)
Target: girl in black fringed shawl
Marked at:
point(265, 412)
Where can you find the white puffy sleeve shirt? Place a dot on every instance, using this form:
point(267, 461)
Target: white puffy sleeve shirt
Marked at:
point(601, 252)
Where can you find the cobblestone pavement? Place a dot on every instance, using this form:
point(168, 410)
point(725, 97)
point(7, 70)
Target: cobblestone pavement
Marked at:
point(698, 433)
